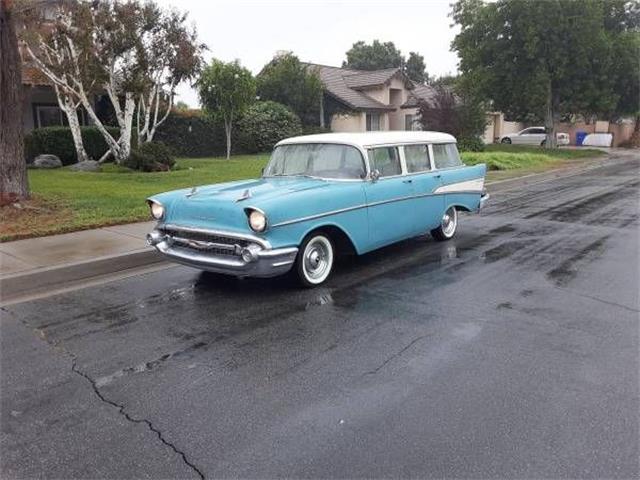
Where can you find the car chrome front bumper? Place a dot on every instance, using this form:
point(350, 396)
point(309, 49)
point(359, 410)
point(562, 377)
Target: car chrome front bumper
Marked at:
point(252, 261)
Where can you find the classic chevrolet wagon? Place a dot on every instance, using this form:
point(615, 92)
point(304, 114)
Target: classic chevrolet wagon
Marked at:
point(320, 196)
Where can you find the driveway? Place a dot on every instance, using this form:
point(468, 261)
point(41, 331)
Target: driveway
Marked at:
point(511, 351)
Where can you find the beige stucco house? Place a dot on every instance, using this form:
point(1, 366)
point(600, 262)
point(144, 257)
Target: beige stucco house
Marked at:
point(370, 100)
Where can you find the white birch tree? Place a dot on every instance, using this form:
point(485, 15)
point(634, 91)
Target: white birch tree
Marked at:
point(133, 52)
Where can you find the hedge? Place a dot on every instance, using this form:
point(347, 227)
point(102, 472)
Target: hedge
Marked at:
point(190, 134)
point(263, 125)
point(59, 141)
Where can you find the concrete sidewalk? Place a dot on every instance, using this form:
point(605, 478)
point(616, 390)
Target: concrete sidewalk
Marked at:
point(34, 253)
point(39, 264)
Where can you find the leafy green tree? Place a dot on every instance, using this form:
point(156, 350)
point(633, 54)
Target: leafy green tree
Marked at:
point(264, 124)
point(415, 68)
point(288, 81)
point(544, 59)
point(376, 56)
point(444, 80)
point(226, 90)
point(458, 110)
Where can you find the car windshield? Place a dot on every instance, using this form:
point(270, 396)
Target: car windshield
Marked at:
point(324, 160)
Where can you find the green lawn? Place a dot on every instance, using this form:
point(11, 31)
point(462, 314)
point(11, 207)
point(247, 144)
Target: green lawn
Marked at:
point(65, 200)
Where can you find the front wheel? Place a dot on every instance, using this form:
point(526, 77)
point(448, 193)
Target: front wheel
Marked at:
point(506, 140)
point(448, 226)
point(315, 260)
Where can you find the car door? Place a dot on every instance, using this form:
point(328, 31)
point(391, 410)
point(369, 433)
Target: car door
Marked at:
point(389, 198)
point(538, 135)
point(523, 137)
point(427, 207)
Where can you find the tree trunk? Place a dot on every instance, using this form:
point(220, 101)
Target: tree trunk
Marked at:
point(124, 142)
point(70, 110)
point(549, 121)
point(227, 131)
point(14, 184)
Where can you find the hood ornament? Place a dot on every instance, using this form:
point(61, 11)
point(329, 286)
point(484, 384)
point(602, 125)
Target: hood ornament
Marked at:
point(245, 195)
point(193, 191)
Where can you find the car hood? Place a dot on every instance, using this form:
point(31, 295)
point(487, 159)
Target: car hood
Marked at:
point(221, 206)
point(263, 188)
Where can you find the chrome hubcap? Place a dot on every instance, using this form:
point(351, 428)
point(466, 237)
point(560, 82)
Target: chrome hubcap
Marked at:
point(449, 222)
point(318, 259)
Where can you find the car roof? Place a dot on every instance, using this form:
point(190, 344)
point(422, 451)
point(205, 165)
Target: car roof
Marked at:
point(369, 139)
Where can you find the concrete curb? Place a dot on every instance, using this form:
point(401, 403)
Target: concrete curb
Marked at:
point(40, 279)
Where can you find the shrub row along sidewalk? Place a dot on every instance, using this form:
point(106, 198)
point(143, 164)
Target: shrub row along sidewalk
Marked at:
point(66, 201)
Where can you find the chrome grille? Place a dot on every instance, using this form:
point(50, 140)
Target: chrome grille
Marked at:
point(203, 242)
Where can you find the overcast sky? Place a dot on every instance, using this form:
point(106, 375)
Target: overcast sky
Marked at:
point(319, 31)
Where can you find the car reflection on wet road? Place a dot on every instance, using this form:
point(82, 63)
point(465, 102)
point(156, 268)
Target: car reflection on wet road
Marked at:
point(511, 351)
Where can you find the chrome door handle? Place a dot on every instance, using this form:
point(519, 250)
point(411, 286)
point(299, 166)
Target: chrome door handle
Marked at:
point(407, 181)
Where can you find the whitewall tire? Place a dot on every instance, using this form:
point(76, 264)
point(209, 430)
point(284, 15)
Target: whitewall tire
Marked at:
point(315, 260)
point(448, 225)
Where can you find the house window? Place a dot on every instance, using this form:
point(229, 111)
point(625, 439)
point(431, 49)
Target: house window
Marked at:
point(373, 122)
point(411, 122)
point(51, 115)
point(48, 115)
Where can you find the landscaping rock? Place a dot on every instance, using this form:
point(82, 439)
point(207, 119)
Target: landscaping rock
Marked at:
point(47, 161)
point(88, 166)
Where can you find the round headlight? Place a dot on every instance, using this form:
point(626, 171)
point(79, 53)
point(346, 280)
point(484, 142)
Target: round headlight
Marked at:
point(157, 210)
point(257, 221)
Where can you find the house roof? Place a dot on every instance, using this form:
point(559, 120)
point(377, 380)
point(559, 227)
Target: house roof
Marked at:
point(333, 80)
point(370, 78)
point(33, 76)
point(368, 139)
point(346, 85)
point(420, 93)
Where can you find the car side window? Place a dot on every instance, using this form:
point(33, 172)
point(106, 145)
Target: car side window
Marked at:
point(386, 160)
point(417, 158)
point(537, 131)
point(446, 155)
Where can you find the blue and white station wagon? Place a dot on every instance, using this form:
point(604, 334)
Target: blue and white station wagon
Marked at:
point(320, 196)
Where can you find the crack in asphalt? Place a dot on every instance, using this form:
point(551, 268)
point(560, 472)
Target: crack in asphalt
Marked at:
point(120, 407)
point(395, 355)
point(121, 411)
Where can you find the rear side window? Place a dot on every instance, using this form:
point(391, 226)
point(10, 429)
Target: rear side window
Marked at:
point(386, 160)
point(446, 155)
point(417, 158)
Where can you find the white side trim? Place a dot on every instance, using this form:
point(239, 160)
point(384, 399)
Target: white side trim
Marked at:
point(468, 186)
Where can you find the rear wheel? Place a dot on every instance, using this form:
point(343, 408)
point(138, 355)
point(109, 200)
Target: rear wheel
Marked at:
point(448, 226)
point(506, 140)
point(315, 260)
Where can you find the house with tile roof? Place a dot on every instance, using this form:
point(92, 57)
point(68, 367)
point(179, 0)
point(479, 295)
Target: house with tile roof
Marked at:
point(370, 100)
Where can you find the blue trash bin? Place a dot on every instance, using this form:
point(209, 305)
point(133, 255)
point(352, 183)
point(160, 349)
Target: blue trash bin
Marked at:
point(580, 136)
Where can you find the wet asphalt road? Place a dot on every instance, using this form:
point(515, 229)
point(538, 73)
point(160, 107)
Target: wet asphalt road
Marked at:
point(511, 351)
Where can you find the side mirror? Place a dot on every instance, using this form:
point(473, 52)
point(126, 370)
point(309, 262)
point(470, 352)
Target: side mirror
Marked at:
point(374, 175)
